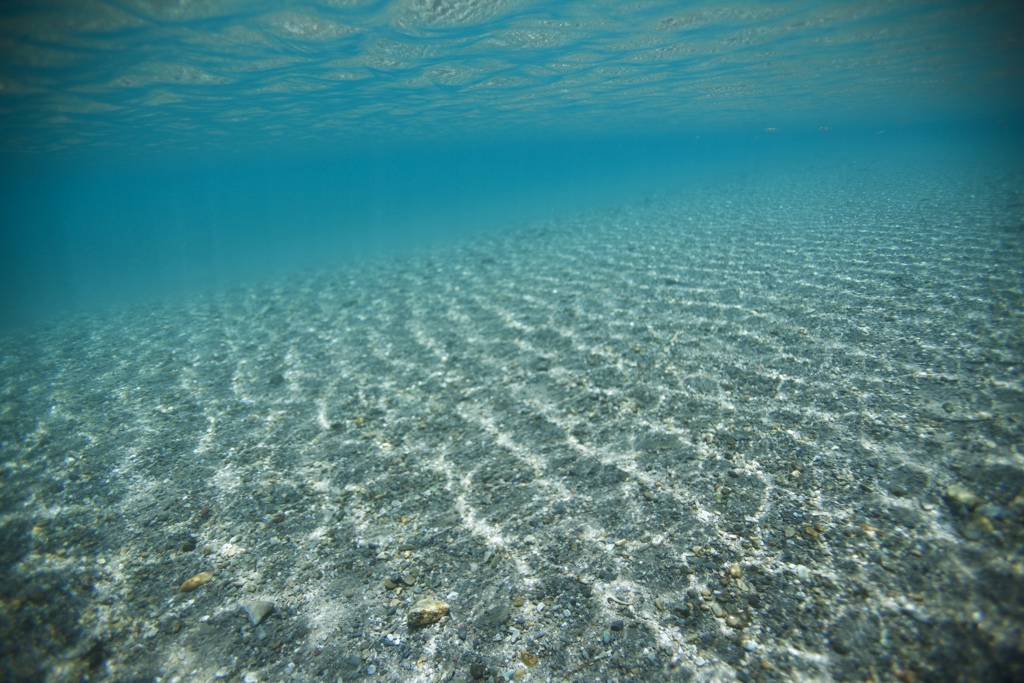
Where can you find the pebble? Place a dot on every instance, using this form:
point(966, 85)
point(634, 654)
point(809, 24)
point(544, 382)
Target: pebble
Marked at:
point(258, 610)
point(529, 659)
point(200, 579)
point(993, 511)
point(977, 527)
point(426, 611)
point(737, 621)
point(963, 495)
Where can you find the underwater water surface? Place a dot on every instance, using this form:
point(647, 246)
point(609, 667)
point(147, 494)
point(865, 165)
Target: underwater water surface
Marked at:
point(161, 147)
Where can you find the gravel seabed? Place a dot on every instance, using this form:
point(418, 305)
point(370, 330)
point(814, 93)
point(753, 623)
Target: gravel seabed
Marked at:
point(760, 430)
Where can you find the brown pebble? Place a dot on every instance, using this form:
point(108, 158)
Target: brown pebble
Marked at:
point(200, 579)
point(529, 659)
point(426, 611)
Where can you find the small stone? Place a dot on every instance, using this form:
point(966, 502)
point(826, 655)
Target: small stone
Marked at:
point(736, 571)
point(258, 610)
point(840, 645)
point(990, 510)
point(738, 621)
point(389, 584)
point(977, 527)
point(606, 637)
point(618, 625)
point(426, 611)
point(196, 581)
point(963, 495)
point(529, 659)
point(477, 670)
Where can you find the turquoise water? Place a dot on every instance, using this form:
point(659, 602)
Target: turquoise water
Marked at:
point(663, 341)
point(158, 148)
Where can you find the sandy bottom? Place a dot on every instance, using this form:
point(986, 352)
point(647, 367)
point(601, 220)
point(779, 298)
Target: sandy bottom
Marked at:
point(767, 432)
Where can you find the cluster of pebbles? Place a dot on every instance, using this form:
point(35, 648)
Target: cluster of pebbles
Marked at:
point(755, 432)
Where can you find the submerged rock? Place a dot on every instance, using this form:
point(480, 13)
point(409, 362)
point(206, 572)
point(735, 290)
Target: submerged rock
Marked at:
point(196, 581)
point(426, 611)
point(258, 610)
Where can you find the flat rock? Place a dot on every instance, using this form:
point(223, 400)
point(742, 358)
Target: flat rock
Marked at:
point(258, 610)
